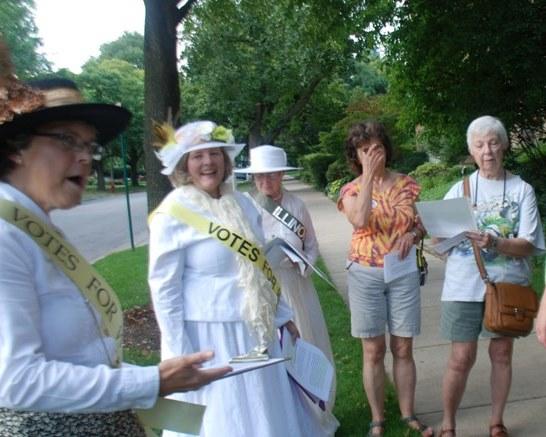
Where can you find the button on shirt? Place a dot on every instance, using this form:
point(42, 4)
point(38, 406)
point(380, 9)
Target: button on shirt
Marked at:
point(52, 357)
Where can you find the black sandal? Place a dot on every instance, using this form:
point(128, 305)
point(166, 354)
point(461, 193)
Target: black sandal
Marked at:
point(376, 424)
point(421, 427)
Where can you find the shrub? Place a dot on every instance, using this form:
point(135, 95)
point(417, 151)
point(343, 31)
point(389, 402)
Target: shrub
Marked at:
point(315, 166)
point(337, 170)
point(433, 174)
point(332, 189)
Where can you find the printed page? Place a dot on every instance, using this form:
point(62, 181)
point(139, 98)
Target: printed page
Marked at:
point(239, 368)
point(443, 246)
point(447, 218)
point(308, 366)
point(395, 267)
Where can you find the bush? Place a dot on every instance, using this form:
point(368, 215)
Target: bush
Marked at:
point(332, 189)
point(407, 159)
point(315, 166)
point(433, 174)
point(338, 169)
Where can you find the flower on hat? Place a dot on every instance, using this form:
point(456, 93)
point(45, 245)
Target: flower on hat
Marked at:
point(15, 97)
point(220, 133)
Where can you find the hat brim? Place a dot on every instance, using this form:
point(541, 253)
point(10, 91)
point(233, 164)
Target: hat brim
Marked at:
point(233, 149)
point(252, 170)
point(108, 120)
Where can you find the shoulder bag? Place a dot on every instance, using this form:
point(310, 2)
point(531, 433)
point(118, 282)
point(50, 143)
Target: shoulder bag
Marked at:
point(509, 308)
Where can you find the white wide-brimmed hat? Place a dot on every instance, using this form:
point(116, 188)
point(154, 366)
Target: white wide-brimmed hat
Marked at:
point(192, 136)
point(266, 159)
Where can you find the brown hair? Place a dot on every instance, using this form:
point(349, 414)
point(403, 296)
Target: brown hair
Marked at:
point(9, 147)
point(180, 174)
point(363, 132)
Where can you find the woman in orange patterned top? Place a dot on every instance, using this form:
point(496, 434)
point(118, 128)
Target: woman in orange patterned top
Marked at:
point(379, 204)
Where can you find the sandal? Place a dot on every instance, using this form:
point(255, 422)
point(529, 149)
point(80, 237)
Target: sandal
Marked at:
point(376, 424)
point(501, 430)
point(448, 432)
point(425, 430)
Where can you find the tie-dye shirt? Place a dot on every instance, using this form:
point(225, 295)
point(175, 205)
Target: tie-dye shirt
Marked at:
point(391, 217)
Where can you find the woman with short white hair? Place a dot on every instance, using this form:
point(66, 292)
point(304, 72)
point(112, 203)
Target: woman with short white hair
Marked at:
point(285, 216)
point(510, 231)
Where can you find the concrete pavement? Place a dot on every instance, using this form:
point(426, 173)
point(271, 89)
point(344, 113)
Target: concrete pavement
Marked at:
point(525, 413)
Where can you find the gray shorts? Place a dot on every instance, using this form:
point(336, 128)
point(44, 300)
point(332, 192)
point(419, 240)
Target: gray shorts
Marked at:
point(463, 321)
point(375, 304)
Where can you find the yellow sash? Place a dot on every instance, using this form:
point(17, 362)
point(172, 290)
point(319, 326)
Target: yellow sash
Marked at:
point(168, 414)
point(237, 243)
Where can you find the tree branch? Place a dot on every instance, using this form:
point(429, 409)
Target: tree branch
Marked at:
point(294, 111)
point(184, 10)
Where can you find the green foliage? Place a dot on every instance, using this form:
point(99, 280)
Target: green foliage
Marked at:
point(112, 80)
point(338, 169)
point(407, 159)
point(126, 272)
point(21, 35)
point(435, 179)
point(333, 188)
point(128, 47)
point(453, 60)
point(315, 166)
point(255, 64)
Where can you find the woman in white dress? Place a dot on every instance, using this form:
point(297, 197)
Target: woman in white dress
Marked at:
point(285, 216)
point(207, 290)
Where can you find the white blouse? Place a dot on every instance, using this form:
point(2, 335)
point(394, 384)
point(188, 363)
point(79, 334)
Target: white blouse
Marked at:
point(52, 357)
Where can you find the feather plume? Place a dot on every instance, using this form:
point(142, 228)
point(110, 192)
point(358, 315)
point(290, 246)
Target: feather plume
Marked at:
point(163, 135)
point(15, 97)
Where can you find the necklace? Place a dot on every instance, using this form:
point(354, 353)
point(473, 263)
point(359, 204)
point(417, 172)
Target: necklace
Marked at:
point(475, 203)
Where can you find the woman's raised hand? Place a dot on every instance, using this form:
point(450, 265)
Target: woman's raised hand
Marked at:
point(372, 159)
point(185, 373)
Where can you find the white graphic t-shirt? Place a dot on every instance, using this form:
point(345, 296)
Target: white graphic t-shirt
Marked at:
point(505, 208)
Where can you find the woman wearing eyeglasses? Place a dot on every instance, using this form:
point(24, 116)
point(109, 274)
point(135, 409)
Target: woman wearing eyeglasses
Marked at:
point(510, 232)
point(60, 337)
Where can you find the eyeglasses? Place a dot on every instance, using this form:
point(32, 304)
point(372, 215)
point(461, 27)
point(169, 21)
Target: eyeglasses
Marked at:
point(73, 143)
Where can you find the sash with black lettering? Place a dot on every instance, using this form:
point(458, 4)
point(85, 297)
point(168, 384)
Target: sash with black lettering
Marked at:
point(280, 214)
point(168, 414)
point(65, 256)
point(237, 243)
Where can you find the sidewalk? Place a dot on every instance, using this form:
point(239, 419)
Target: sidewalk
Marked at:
point(525, 413)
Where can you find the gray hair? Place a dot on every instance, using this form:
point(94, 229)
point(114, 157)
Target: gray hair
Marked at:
point(487, 125)
point(180, 175)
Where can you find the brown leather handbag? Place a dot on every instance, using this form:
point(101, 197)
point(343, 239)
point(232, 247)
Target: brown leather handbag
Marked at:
point(509, 308)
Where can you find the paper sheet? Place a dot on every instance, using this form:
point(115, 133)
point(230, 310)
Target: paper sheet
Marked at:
point(443, 246)
point(183, 417)
point(239, 368)
point(447, 218)
point(308, 366)
point(278, 248)
point(395, 267)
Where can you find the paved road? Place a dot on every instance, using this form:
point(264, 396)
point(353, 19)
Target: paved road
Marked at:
point(99, 227)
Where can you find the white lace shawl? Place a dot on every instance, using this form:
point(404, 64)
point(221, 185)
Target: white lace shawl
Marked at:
point(260, 302)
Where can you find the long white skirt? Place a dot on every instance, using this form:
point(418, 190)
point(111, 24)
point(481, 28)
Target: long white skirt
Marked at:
point(301, 296)
point(258, 403)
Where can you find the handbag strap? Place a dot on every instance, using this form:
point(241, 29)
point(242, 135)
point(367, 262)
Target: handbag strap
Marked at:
point(475, 248)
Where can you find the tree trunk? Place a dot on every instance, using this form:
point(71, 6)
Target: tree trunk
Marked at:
point(101, 186)
point(255, 131)
point(161, 90)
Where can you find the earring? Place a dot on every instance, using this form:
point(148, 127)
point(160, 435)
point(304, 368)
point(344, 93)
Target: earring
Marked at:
point(18, 160)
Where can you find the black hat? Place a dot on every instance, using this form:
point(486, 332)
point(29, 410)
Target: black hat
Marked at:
point(25, 106)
